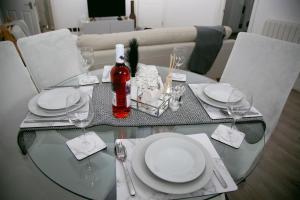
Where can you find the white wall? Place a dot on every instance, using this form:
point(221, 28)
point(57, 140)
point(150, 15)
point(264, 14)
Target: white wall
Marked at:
point(166, 13)
point(285, 10)
point(67, 13)
point(150, 13)
point(193, 12)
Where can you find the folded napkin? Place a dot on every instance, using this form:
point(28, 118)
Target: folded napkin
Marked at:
point(34, 121)
point(106, 74)
point(144, 192)
point(87, 80)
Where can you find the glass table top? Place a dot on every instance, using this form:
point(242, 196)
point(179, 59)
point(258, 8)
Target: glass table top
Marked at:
point(48, 150)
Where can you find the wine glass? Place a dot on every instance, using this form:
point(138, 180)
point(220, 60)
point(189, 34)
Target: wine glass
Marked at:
point(238, 104)
point(82, 21)
point(81, 118)
point(180, 54)
point(88, 59)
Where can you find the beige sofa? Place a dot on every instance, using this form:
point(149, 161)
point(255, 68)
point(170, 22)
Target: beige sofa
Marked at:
point(155, 46)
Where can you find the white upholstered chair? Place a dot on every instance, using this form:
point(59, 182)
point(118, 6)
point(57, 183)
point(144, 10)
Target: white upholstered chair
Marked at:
point(283, 30)
point(50, 57)
point(267, 68)
point(16, 88)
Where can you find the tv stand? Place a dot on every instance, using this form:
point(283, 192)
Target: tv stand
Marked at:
point(107, 26)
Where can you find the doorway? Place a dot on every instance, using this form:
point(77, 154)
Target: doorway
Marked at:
point(21, 9)
point(237, 15)
point(44, 11)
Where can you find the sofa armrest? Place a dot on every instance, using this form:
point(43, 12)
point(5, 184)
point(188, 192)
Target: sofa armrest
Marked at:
point(219, 64)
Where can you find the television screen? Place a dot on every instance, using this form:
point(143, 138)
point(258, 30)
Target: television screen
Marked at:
point(109, 8)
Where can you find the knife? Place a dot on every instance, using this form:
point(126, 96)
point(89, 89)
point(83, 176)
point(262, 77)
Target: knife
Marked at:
point(220, 178)
point(44, 120)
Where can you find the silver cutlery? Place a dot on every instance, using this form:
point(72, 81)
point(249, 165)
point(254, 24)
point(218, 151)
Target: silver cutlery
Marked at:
point(220, 177)
point(45, 120)
point(225, 112)
point(121, 154)
point(61, 86)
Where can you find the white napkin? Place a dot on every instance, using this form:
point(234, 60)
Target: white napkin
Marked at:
point(144, 192)
point(80, 151)
point(228, 136)
point(106, 74)
point(179, 77)
point(88, 80)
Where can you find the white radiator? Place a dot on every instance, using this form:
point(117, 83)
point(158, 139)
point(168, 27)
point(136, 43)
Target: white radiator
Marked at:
point(287, 31)
point(282, 30)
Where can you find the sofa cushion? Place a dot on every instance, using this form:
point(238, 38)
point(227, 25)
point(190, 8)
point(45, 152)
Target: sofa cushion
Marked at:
point(149, 37)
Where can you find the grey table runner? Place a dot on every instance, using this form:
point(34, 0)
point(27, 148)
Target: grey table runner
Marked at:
point(191, 112)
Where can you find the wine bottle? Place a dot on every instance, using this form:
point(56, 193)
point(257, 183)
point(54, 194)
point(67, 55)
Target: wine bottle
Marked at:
point(120, 81)
point(132, 14)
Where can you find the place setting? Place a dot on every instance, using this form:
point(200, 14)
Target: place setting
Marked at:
point(49, 108)
point(171, 166)
point(215, 99)
point(223, 101)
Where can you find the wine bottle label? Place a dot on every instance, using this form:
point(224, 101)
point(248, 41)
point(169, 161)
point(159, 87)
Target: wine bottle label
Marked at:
point(114, 99)
point(120, 53)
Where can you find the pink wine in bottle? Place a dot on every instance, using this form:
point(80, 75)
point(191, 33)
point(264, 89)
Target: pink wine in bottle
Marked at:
point(120, 81)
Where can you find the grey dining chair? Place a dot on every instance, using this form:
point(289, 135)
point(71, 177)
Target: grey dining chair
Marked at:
point(267, 68)
point(51, 57)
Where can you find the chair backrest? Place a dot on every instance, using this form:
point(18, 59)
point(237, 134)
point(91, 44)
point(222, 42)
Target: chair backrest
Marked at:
point(283, 30)
point(16, 87)
point(267, 68)
point(50, 57)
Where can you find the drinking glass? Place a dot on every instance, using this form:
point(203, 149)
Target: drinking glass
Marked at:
point(238, 104)
point(176, 97)
point(88, 59)
point(81, 117)
point(180, 54)
point(82, 21)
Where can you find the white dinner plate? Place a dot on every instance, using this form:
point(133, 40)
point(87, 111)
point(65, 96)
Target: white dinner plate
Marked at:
point(37, 110)
point(175, 160)
point(146, 176)
point(56, 98)
point(220, 92)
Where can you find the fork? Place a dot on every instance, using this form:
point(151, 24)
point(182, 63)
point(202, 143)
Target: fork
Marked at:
point(121, 154)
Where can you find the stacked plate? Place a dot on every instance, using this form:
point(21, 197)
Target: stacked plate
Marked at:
point(217, 95)
point(172, 163)
point(52, 103)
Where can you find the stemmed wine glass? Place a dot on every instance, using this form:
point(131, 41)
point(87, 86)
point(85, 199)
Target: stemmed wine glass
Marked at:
point(88, 59)
point(81, 117)
point(238, 104)
point(180, 54)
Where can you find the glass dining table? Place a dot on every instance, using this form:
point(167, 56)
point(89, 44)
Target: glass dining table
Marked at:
point(95, 176)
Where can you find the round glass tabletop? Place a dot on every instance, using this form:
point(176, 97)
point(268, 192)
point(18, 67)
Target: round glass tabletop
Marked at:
point(95, 176)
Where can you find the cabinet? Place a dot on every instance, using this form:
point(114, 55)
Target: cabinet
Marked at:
point(107, 26)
